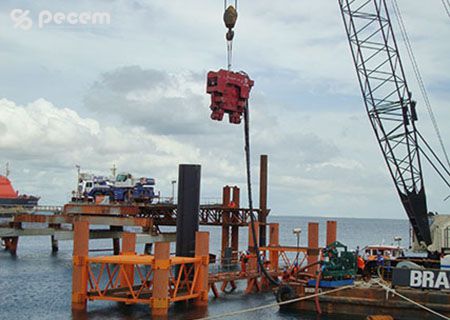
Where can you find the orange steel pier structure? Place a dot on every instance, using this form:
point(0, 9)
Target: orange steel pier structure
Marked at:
point(132, 278)
point(161, 279)
point(148, 217)
point(58, 222)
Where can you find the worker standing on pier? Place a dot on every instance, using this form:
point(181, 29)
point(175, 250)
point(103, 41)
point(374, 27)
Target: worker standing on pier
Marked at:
point(360, 264)
point(244, 260)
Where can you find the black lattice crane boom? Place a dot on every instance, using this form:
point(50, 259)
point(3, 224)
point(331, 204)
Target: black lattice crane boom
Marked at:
point(389, 104)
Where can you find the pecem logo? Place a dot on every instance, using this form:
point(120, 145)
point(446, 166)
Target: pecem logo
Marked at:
point(22, 18)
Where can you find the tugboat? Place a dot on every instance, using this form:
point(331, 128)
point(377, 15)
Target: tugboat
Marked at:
point(10, 200)
point(381, 255)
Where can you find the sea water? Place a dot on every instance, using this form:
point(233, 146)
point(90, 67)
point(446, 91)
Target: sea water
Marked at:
point(37, 284)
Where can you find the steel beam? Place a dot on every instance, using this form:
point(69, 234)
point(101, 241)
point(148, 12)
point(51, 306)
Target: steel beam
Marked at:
point(262, 216)
point(79, 272)
point(202, 251)
point(93, 234)
point(160, 296)
point(128, 248)
point(274, 241)
point(313, 242)
point(331, 232)
point(188, 208)
point(97, 220)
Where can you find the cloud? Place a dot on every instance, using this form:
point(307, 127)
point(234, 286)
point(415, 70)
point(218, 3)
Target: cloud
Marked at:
point(161, 102)
point(133, 94)
point(48, 140)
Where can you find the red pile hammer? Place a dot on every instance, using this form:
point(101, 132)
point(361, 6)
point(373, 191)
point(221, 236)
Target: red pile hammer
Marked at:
point(229, 94)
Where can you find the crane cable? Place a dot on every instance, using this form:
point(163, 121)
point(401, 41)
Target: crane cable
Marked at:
point(230, 18)
point(419, 78)
point(446, 4)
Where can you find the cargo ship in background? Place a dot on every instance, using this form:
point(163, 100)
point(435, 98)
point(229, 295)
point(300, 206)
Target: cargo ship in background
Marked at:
point(10, 198)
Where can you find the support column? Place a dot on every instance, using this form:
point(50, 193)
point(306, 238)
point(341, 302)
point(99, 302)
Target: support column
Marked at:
point(79, 272)
point(160, 297)
point(188, 208)
point(252, 263)
point(331, 232)
point(235, 243)
point(14, 245)
point(225, 233)
point(235, 228)
point(274, 241)
point(313, 243)
point(116, 241)
point(148, 248)
point(236, 197)
point(251, 243)
point(11, 244)
point(54, 243)
point(202, 250)
point(128, 248)
point(226, 196)
point(262, 217)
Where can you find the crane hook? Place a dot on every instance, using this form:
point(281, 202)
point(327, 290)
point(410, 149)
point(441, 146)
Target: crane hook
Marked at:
point(230, 17)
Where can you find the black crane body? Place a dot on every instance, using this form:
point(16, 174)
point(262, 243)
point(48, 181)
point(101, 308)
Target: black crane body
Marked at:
point(388, 102)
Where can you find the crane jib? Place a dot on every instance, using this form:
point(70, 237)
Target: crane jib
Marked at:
point(389, 105)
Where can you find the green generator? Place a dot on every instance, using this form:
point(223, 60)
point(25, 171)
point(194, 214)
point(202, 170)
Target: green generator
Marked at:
point(338, 263)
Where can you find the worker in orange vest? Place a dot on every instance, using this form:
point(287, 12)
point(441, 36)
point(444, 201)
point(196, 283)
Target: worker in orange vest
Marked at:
point(244, 259)
point(360, 264)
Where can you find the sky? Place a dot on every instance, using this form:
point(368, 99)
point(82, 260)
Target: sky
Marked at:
point(130, 92)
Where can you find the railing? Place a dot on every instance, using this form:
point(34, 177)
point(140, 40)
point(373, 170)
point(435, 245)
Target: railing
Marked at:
point(17, 209)
point(129, 279)
point(165, 214)
point(53, 209)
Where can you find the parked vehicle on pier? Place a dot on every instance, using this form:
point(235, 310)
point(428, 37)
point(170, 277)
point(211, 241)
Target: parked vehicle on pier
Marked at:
point(123, 188)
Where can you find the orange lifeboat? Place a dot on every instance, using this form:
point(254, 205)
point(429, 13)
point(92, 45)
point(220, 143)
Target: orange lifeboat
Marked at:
point(6, 189)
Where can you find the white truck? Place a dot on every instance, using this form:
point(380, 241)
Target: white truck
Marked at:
point(123, 188)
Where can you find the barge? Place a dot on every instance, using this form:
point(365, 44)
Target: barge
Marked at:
point(372, 298)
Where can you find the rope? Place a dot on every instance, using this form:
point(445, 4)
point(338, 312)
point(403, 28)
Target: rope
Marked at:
point(419, 78)
point(389, 289)
point(276, 304)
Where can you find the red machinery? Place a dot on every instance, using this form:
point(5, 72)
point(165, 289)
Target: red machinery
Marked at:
point(229, 94)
